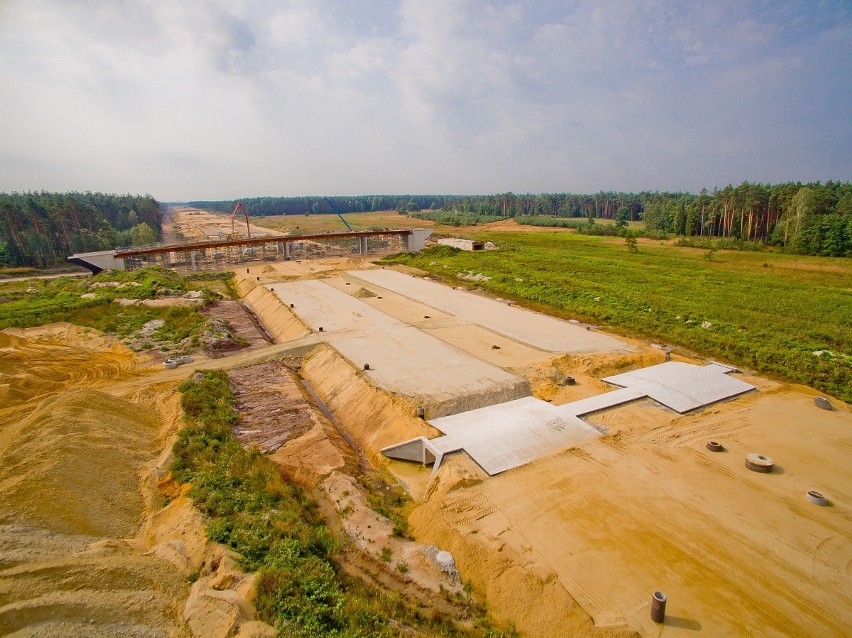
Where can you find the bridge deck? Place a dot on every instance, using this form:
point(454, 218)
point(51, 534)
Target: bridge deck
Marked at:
point(139, 251)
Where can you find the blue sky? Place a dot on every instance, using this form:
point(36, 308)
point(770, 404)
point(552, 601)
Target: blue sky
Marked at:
point(209, 99)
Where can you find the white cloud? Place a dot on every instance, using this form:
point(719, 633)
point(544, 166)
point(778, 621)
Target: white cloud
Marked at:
point(194, 99)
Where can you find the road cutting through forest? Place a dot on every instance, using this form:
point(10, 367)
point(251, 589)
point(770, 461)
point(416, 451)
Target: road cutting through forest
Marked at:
point(96, 540)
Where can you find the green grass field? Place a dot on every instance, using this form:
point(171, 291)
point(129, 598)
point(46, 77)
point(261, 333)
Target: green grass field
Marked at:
point(785, 315)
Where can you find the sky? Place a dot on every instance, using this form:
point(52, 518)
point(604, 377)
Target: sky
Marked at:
point(221, 99)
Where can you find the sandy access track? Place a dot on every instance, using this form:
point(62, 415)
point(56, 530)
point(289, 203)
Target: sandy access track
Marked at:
point(644, 508)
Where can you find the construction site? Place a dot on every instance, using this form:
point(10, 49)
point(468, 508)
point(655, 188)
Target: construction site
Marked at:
point(558, 463)
point(579, 480)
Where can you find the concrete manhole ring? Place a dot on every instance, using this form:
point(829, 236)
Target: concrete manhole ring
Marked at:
point(816, 498)
point(759, 463)
point(715, 446)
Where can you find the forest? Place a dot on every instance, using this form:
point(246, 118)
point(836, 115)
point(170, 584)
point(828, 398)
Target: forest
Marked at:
point(811, 218)
point(42, 229)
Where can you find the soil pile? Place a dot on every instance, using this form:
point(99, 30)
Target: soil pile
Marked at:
point(70, 464)
point(46, 481)
point(363, 293)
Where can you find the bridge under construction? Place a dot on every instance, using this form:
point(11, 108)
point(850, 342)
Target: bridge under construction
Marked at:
point(219, 254)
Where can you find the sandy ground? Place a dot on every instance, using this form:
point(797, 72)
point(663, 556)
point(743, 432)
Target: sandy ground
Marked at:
point(63, 569)
point(89, 545)
point(572, 544)
point(192, 224)
point(577, 542)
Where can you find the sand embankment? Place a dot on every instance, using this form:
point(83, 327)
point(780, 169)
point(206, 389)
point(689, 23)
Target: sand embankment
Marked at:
point(87, 547)
point(281, 324)
point(373, 418)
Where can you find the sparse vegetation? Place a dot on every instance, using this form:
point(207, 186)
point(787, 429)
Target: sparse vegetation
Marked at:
point(275, 526)
point(91, 302)
point(789, 318)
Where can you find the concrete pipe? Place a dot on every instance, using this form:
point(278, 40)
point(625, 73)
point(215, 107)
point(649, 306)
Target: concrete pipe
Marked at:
point(658, 606)
point(759, 463)
point(715, 446)
point(570, 381)
point(816, 498)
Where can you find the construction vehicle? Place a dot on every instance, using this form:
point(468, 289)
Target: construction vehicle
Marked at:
point(237, 208)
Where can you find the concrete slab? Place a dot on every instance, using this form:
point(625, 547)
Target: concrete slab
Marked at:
point(508, 435)
point(505, 436)
point(402, 359)
point(681, 386)
point(535, 329)
point(601, 402)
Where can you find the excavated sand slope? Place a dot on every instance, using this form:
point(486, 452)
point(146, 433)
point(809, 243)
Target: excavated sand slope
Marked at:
point(373, 418)
point(70, 462)
point(279, 322)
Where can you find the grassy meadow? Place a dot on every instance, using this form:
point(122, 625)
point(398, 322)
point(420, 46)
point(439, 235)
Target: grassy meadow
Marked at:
point(783, 315)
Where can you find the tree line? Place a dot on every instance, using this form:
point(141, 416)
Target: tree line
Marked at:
point(812, 218)
point(43, 229)
point(601, 205)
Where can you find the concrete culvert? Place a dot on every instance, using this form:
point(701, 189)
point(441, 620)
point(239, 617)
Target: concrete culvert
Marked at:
point(421, 411)
point(292, 305)
point(320, 328)
point(715, 446)
point(366, 366)
point(569, 381)
point(759, 463)
point(822, 402)
point(816, 498)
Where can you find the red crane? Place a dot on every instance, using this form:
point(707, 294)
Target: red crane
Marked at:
point(240, 206)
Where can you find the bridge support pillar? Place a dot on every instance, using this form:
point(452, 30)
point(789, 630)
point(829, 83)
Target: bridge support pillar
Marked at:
point(192, 260)
point(286, 250)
